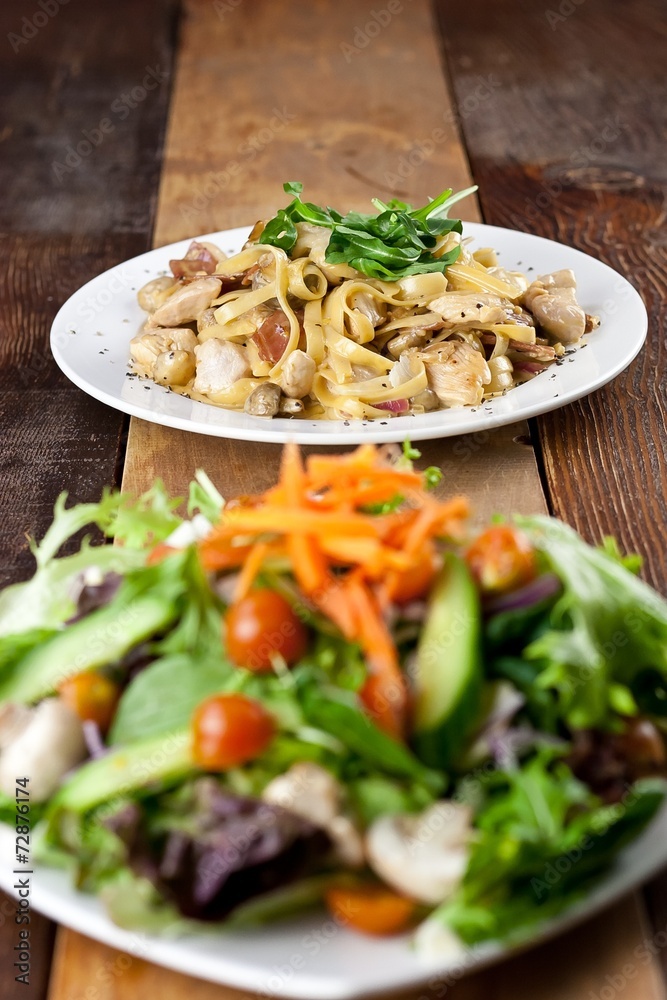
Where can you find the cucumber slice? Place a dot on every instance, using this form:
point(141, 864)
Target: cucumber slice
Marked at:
point(102, 637)
point(448, 675)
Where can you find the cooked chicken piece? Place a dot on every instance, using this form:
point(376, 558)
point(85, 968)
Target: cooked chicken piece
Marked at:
point(469, 308)
point(372, 308)
point(219, 365)
point(145, 349)
point(174, 367)
point(516, 278)
point(310, 791)
point(413, 337)
point(187, 303)
point(553, 302)
point(264, 401)
point(42, 745)
point(457, 373)
point(206, 319)
point(155, 292)
point(296, 377)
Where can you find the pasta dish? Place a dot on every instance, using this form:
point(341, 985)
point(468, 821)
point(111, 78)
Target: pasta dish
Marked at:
point(328, 316)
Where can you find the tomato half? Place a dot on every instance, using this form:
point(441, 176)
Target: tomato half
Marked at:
point(501, 559)
point(260, 626)
point(229, 730)
point(92, 697)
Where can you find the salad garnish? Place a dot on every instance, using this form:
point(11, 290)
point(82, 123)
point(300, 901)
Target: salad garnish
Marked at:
point(332, 693)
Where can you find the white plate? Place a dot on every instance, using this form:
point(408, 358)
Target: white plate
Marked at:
point(91, 334)
point(311, 957)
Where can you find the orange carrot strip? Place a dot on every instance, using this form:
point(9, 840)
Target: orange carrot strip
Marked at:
point(251, 568)
point(288, 520)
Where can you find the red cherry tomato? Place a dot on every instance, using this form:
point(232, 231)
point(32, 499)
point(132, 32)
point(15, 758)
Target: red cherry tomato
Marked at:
point(228, 730)
point(261, 625)
point(92, 697)
point(501, 559)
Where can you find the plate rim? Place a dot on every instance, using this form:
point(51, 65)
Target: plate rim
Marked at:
point(329, 434)
point(632, 869)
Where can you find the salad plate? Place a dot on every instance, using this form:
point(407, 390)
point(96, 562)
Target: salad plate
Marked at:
point(313, 958)
point(333, 741)
point(91, 334)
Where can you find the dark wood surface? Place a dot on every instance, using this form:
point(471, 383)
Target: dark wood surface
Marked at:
point(563, 118)
point(571, 144)
point(59, 227)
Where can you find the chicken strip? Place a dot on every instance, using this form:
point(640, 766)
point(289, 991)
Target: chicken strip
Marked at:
point(185, 305)
point(219, 365)
point(552, 300)
point(456, 372)
point(469, 308)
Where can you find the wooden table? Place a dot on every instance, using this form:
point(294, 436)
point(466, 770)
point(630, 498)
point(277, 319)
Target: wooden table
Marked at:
point(126, 125)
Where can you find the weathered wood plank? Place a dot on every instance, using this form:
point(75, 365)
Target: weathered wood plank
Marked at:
point(569, 144)
point(388, 90)
point(64, 217)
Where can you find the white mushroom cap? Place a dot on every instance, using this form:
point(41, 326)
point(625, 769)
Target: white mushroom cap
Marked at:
point(48, 745)
point(312, 792)
point(422, 856)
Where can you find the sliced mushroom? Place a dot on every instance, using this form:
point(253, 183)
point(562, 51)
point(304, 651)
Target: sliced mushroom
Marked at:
point(290, 407)
point(310, 791)
point(422, 856)
point(48, 745)
point(219, 365)
point(185, 305)
point(296, 377)
point(264, 401)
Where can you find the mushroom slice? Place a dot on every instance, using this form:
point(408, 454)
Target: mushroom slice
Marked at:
point(422, 856)
point(263, 401)
point(310, 791)
point(48, 745)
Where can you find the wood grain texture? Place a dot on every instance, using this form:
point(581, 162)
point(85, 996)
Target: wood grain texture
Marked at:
point(496, 470)
point(58, 228)
point(610, 953)
point(571, 145)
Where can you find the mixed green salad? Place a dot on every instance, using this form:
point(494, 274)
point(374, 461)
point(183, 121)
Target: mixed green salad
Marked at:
point(332, 693)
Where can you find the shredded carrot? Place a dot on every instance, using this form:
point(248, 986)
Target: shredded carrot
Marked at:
point(251, 568)
point(348, 562)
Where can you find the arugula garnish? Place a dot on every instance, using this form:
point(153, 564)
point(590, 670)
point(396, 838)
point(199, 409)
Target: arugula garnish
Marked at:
point(396, 242)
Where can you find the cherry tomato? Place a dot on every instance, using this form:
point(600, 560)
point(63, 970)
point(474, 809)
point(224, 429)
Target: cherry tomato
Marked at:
point(228, 730)
point(372, 909)
point(501, 559)
point(92, 696)
point(261, 625)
